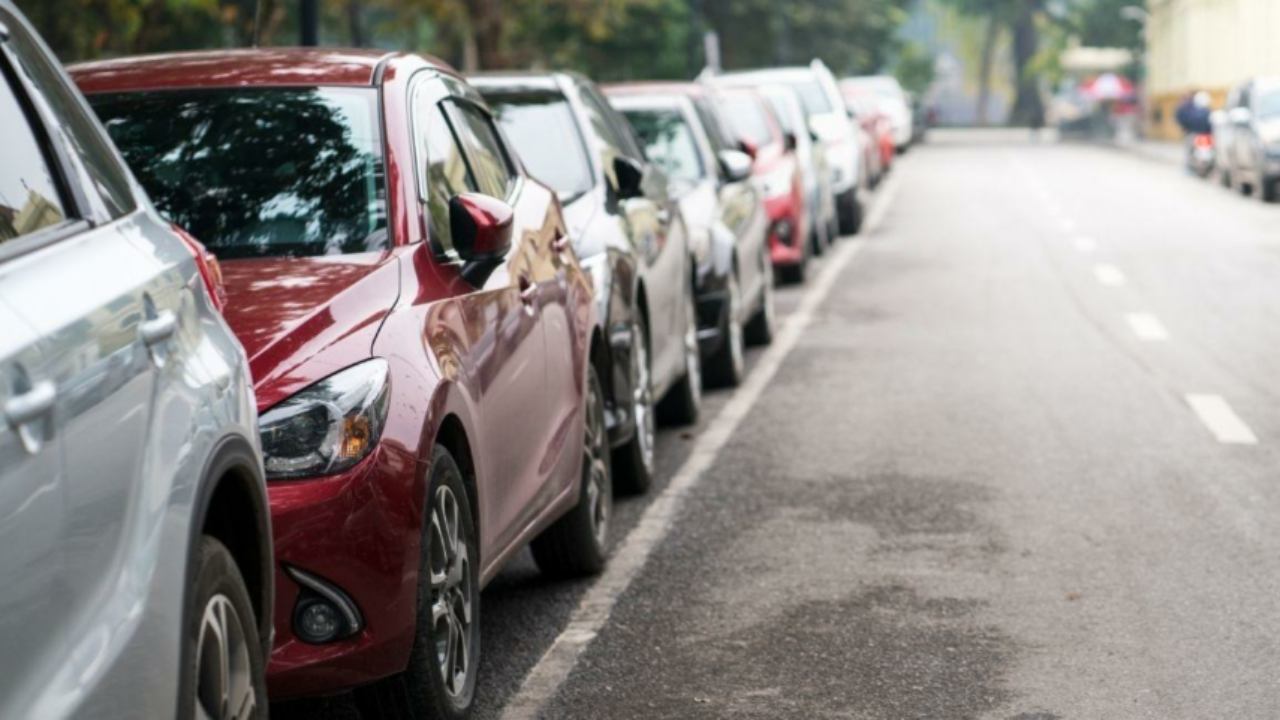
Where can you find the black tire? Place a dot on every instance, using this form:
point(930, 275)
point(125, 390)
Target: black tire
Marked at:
point(760, 327)
point(817, 241)
point(421, 690)
point(222, 598)
point(794, 274)
point(725, 368)
point(578, 543)
point(633, 462)
point(683, 402)
point(1266, 189)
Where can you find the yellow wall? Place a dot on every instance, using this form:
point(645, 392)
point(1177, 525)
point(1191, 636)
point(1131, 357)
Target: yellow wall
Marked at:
point(1206, 45)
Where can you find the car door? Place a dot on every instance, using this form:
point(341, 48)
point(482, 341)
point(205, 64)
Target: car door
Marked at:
point(649, 222)
point(507, 363)
point(741, 209)
point(71, 271)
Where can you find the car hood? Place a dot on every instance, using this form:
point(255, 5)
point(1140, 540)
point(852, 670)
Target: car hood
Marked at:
point(301, 318)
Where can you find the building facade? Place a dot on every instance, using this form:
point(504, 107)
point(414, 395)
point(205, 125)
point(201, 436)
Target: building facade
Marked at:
point(1207, 45)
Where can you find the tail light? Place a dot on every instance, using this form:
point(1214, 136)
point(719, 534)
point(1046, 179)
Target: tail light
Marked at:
point(1204, 142)
point(210, 270)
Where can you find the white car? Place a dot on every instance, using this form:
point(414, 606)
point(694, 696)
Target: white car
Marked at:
point(893, 102)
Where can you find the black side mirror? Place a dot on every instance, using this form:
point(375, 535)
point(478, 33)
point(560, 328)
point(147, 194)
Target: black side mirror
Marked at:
point(789, 139)
point(629, 175)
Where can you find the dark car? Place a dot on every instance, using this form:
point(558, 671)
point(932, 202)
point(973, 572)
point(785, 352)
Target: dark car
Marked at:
point(630, 235)
point(1249, 151)
point(421, 337)
point(725, 212)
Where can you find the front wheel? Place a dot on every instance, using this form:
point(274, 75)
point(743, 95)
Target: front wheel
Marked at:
point(578, 543)
point(222, 652)
point(684, 401)
point(440, 680)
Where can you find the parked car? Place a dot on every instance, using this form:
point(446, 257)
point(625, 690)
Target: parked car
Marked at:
point(1248, 152)
point(824, 227)
point(725, 214)
point(892, 100)
point(830, 126)
point(134, 536)
point(874, 122)
point(632, 238)
point(422, 341)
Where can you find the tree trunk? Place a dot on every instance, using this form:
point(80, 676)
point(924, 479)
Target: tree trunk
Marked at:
point(355, 17)
point(486, 33)
point(1028, 109)
point(984, 68)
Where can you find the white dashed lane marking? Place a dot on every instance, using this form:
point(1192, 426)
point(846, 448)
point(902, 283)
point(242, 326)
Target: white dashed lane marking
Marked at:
point(1108, 275)
point(1147, 327)
point(1221, 420)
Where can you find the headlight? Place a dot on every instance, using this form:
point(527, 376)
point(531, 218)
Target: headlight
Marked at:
point(328, 427)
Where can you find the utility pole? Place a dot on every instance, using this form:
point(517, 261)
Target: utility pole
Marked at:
point(308, 23)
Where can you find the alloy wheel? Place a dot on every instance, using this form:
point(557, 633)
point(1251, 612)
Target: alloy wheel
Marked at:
point(452, 595)
point(642, 397)
point(224, 675)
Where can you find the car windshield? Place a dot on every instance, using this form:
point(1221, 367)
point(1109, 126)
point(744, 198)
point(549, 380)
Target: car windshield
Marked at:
point(1269, 102)
point(290, 172)
point(668, 141)
point(748, 118)
point(542, 128)
point(782, 110)
point(812, 97)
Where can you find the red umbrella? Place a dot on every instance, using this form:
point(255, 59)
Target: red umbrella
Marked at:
point(1107, 86)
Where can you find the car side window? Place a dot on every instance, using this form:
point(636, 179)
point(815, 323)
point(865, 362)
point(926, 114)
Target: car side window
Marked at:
point(30, 200)
point(711, 123)
point(598, 116)
point(490, 164)
point(106, 174)
point(444, 168)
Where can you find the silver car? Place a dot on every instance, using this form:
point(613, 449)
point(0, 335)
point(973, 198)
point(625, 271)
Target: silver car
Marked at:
point(135, 549)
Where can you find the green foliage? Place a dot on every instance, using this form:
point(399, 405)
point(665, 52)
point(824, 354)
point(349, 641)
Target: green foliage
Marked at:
point(914, 68)
point(608, 39)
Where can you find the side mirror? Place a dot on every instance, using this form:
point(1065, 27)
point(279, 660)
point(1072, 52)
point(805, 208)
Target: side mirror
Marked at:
point(750, 148)
point(789, 139)
point(481, 230)
point(1240, 115)
point(735, 165)
point(629, 175)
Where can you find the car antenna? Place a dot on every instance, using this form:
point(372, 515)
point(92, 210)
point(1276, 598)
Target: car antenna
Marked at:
point(257, 21)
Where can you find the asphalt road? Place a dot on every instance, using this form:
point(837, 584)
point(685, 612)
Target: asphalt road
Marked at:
point(1019, 463)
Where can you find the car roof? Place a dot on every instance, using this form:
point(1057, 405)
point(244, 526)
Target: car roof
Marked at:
point(523, 80)
point(268, 67)
point(796, 72)
point(672, 87)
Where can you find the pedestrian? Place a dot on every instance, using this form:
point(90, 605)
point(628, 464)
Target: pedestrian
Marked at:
point(1193, 117)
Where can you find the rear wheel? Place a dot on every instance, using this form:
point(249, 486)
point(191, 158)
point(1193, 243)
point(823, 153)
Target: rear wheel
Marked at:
point(684, 401)
point(440, 680)
point(578, 543)
point(634, 461)
point(222, 653)
point(724, 369)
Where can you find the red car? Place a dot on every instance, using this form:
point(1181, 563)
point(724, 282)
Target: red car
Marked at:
point(421, 337)
point(778, 175)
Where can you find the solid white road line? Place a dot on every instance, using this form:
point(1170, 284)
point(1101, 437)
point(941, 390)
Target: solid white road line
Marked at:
point(1067, 224)
point(1221, 420)
point(1147, 327)
point(1085, 244)
point(1108, 275)
point(551, 671)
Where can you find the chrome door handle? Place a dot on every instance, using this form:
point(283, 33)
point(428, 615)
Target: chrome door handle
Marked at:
point(159, 328)
point(31, 405)
point(528, 291)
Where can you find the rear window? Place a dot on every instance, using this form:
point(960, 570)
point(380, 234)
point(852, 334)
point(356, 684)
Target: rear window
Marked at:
point(542, 128)
point(259, 172)
point(748, 118)
point(668, 142)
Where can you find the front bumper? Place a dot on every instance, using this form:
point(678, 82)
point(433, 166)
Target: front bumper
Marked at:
point(358, 531)
point(788, 230)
